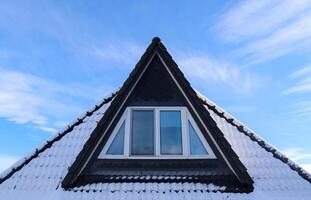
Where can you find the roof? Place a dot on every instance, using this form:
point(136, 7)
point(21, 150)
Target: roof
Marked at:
point(41, 173)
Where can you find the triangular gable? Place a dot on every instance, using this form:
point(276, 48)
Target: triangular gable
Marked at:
point(131, 95)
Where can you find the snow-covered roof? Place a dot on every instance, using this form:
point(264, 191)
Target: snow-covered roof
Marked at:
point(41, 173)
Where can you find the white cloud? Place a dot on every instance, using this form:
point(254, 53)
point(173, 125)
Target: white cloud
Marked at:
point(48, 129)
point(18, 100)
point(302, 109)
point(299, 88)
point(268, 29)
point(307, 167)
point(301, 156)
point(297, 154)
point(301, 72)
point(294, 37)
point(124, 53)
point(26, 98)
point(208, 70)
point(7, 161)
point(303, 84)
point(253, 18)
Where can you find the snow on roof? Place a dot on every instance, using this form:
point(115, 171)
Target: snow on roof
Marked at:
point(40, 174)
point(250, 133)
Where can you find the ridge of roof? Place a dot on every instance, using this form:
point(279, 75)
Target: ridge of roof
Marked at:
point(47, 144)
point(253, 136)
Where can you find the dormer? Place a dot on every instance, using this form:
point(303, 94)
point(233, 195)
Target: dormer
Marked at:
point(156, 129)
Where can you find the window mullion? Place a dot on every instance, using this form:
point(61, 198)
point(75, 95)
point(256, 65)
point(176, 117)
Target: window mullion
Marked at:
point(127, 133)
point(157, 132)
point(185, 133)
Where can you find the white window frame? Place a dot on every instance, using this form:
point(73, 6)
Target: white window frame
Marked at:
point(185, 119)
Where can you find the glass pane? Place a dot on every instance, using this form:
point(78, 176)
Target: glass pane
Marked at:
point(170, 133)
point(117, 145)
point(196, 145)
point(142, 141)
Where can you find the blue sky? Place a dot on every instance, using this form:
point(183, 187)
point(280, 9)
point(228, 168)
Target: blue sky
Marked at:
point(57, 59)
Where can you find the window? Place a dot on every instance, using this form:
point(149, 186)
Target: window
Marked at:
point(156, 132)
point(117, 145)
point(170, 133)
point(196, 146)
point(142, 140)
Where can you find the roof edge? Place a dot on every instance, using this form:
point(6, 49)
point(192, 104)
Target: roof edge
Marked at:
point(253, 136)
point(24, 161)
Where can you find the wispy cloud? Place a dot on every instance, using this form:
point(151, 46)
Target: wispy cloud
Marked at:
point(119, 53)
point(305, 71)
point(249, 19)
point(300, 156)
point(303, 84)
point(297, 154)
point(307, 167)
point(296, 36)
point(209, 70)
point(7, 161)
point(268, 29)
point(26, 98)
point(301, 109)
point(300, 87)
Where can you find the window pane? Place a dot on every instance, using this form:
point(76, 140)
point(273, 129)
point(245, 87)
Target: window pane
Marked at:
point(117, 145)
point(170, 133)
point(142, 132)
point(196, 145)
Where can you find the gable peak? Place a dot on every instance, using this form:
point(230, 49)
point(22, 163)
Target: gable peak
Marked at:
point(156, 39)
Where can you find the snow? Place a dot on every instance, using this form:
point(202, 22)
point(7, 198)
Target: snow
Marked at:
point(42, 176)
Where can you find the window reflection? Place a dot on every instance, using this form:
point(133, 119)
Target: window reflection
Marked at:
point(117, 145)
point(170, 133)
point(196, 145)
point(142, 140)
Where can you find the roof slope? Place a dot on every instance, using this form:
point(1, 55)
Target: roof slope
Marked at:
point(248, 132)
point(274, 175)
